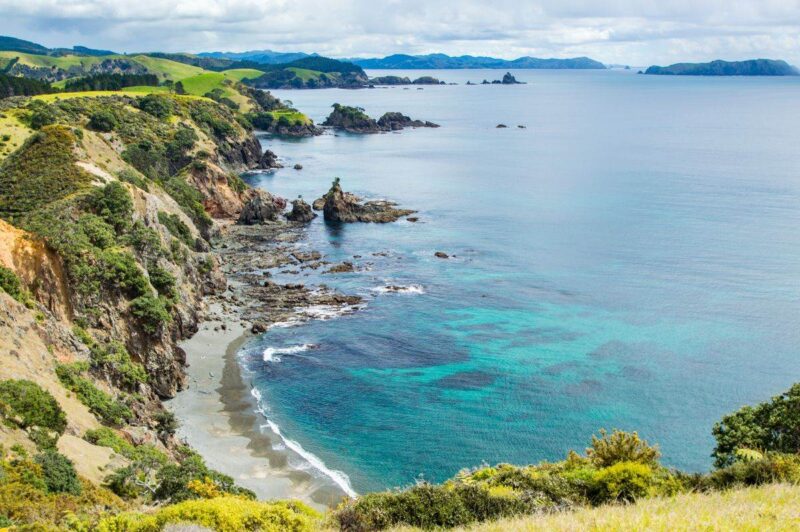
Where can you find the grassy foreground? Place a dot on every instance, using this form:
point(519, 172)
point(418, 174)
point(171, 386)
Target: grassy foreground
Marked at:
point(769, 507)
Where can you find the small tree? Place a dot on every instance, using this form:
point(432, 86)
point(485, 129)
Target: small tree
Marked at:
point(619, 446)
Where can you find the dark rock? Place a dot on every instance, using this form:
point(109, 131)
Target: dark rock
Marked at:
point(318, 204)
point(412, 219)
point(301, 212)
point(508, 79)
point(395, 121)
point(269, 161)
point(306, 257)
point(342, 206)
point(262, 207)
point(521, 126)
point(441, 255)
point(501, 126)
point(298, 166)
point(352, 119)
point(344, 267)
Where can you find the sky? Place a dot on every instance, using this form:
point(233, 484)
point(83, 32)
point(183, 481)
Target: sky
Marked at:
point(635, 32)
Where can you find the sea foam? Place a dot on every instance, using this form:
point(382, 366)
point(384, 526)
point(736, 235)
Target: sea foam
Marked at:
point(273, 354)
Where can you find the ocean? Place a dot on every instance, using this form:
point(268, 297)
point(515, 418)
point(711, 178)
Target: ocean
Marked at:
point(630, 259)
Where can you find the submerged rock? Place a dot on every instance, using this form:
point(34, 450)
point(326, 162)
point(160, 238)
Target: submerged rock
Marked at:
point(301, 212)
point(441, 255)
point(340, 206)
point(344, 267)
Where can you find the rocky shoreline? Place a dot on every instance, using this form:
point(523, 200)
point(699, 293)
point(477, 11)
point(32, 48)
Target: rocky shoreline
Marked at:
point(227, 428)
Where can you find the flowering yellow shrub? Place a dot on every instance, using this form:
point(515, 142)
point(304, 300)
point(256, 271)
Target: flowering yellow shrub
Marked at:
point(222, 514)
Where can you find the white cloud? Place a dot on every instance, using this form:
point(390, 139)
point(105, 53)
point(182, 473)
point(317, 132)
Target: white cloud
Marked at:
point(623, 31)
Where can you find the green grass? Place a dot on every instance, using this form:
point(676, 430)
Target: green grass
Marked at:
point(17, 132)
point(294, 117)
point(129, 91)
point(769, 507)
point(166, 69)
point(204, 83)
point(305, 74)
point(48, 61)
point(238, 74)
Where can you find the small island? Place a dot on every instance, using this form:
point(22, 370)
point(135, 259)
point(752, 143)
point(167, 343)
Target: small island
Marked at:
point(508, 79)
point(752, 67)
point(355, 120)
point(405, 80)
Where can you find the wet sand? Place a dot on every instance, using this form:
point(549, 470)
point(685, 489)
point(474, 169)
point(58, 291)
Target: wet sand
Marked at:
point(219, 419)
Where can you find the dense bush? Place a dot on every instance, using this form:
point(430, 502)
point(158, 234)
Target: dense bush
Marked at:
point(19, 86)
point(769, 426)
point(119, 270)
point(176, 227)
point(131, 176)
point(162, 280)
point(42, 171)
point(27, 501)
point(113, 203)
point(27, 405)
point(11, 285)
point(110, 411)
point(173, 480)
point(59, 473)
point(103, 121)
point(158, 106)
point(754, 471)
point(151, 312)
point(225, 514)
point(619, 446)
point(113, 360)
point(99, 233)
point(110, 82)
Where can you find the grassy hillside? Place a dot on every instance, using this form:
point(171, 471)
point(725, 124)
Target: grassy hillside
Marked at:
point(166, 69)
point(771, 507)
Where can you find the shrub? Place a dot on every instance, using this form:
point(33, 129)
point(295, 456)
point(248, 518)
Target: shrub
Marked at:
point(167, 422)
point(190, 200)
point(59, 473)
point(151, 313)
point(620, 446)
point(772, 467)
point(42, 117)
point(41, 172)
point(130, 176)
point(158, 106)
point(769, 426)
point(11, 285)
point(174, 479)
point(114, 204)
point(103, 120)
point(99, 233)
point(162, 280)
point(118, 270)
point(149, 158)
point(623, 482)
point(145, 241)
point(176, 227)
point(29, 406)
point(108, 409)
point(225, 514)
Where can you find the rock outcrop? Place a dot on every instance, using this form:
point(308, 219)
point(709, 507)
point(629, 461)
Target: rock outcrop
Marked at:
point(355, 120)
point(301, 212)
point(261, 207)
point(395, 121)
point(343, 207)
point(352, 119)
point(269, 161)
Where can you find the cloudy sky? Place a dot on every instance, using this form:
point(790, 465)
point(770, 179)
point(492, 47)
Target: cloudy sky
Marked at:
point(637, 32)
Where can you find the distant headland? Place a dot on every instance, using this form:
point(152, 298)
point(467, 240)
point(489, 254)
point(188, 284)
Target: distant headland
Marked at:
point(752, 67)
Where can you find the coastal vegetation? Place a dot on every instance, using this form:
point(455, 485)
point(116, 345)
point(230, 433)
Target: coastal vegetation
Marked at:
point(109, 203)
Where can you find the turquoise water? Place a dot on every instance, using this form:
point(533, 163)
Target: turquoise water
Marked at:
point(629, 260)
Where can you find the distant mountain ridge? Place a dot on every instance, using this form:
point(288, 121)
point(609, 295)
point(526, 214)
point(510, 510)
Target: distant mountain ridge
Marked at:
point(443, 61)
point(268, 57)
point(751, 67)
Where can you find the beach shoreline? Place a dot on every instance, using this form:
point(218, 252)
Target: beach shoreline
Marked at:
point(218, 413)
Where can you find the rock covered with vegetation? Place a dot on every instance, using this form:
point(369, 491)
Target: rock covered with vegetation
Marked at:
point(355, 120)
point(405, 80)
point(752, 67)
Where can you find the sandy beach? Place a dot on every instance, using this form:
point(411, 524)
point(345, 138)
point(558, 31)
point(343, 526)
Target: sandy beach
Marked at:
point(219, 419)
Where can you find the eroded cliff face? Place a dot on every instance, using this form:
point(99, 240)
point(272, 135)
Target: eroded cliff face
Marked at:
point(112, 252)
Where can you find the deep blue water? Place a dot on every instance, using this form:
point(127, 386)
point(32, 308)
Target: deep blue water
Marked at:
point(629, 260)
